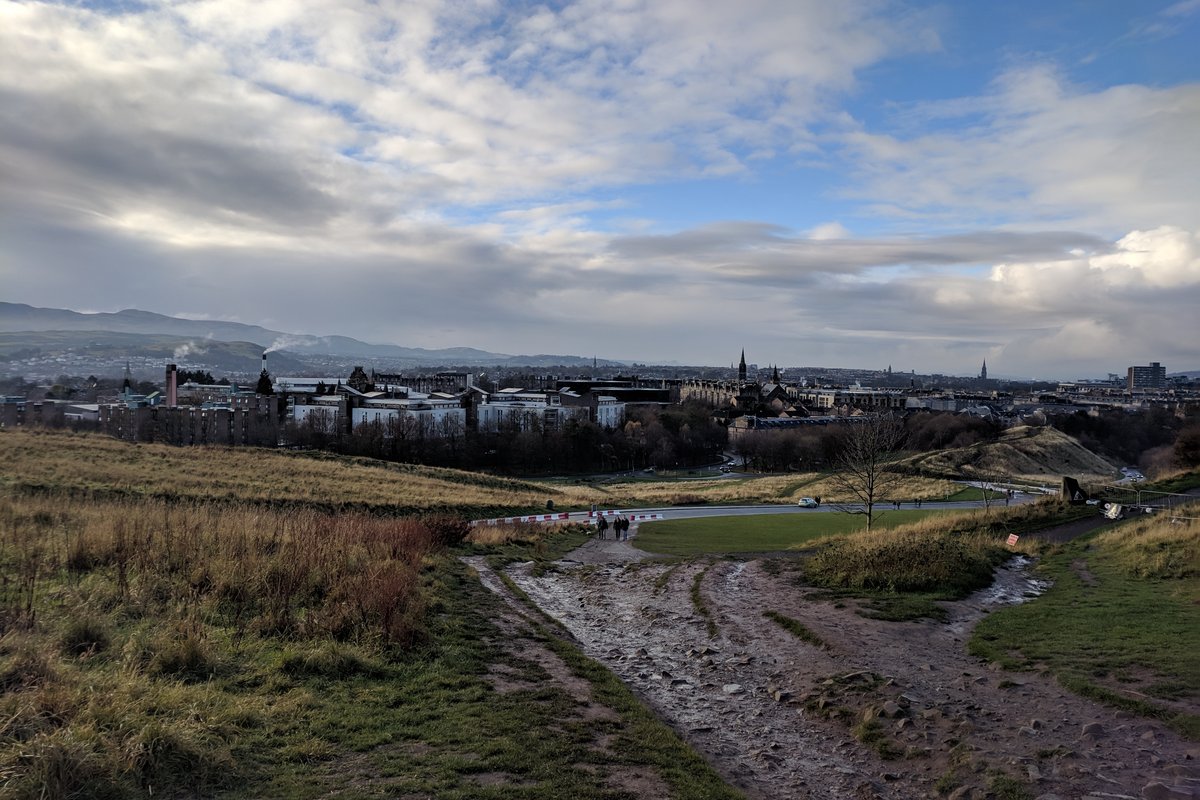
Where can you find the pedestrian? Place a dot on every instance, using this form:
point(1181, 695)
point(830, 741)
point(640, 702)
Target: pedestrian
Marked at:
point(603, 525)
point(624, 529)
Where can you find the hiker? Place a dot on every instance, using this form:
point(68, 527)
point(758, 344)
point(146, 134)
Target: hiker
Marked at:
point(603, 526)
point(622, 526)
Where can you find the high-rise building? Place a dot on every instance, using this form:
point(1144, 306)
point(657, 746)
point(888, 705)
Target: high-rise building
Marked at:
point(1153, 376)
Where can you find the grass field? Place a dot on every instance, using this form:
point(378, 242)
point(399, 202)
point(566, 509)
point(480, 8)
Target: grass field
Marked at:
point(757, 533)
point(152, 649)
point(1121, 623)
point(99, 466)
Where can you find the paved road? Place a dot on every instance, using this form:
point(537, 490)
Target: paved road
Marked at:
point(692, 512)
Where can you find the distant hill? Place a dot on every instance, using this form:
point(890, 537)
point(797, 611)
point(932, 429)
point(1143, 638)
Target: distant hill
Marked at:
point(21, 318)
point(1022, 453)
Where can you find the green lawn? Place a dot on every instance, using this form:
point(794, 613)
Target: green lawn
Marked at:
point(1126, 640)
point(757, 533)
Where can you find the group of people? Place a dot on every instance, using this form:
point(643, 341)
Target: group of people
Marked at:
point(620, 527)
point(897, 503)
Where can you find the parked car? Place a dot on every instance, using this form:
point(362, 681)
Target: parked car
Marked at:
point(808, 502)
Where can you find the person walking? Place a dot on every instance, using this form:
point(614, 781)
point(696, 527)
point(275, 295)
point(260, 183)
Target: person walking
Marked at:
point(603, 525)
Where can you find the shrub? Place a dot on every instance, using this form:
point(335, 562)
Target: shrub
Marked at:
point(447, 530)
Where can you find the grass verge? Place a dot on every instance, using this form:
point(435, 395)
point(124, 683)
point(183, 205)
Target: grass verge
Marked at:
point(1121, 623)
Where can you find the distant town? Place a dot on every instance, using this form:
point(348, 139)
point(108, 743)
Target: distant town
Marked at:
point(575, 418)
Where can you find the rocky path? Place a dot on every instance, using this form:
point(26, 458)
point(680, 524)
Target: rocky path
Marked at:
point(883, 710)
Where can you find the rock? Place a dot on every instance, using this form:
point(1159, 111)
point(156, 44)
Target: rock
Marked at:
point(1093, 730)
point(892, 709)
point(962, 793)
point(1028, 731)
point(732, 688)
point(903, 723)
point(1034, 773)
point(1155, 791)
point(1036, 724)
point(1048, 797)
point(781, 696)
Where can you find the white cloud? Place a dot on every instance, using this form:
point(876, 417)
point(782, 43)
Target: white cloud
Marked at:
point(1039, 151)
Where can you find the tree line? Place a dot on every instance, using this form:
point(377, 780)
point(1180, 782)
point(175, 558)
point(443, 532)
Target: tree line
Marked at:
point(664, 438)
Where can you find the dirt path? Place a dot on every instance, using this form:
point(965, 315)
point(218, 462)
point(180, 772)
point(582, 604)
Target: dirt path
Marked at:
point(777, 716)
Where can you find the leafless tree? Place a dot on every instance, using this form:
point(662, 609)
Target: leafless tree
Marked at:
point(862, 467)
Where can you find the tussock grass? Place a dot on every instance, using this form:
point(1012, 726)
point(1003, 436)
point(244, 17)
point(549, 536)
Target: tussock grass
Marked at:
point(1155, 547)
point(908, 561)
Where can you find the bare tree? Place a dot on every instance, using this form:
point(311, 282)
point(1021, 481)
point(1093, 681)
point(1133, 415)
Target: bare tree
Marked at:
point(862, 467)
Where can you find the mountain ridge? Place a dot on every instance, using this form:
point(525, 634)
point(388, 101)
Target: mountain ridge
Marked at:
point(20, 317)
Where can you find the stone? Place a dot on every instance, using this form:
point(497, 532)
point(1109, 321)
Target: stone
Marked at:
point(1034, 773)
point(1048, 797)
point(732, 688)
point(892, 709)
point(903, 723)
point(962, 793)
point(1155, 791)
point(781, 696)
point(1036, 724)
point(1093, 730)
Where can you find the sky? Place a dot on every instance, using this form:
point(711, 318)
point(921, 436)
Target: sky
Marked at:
point(861, 184)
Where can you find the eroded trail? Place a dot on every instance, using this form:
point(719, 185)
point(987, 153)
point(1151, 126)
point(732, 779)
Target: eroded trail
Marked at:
point(882, 710)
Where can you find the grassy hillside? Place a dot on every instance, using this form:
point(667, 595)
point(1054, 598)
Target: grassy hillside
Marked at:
point(1035, 455)
point(1121, 623)
point(59, 461)
point(102, 466)
point(187, 649)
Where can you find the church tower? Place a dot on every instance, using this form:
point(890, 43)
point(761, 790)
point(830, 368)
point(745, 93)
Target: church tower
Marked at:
point(983, 372)
point(742, 367)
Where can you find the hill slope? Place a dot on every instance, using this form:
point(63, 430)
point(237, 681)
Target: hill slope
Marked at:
point(1023, 453)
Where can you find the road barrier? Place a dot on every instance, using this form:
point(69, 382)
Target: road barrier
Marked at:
point(511, 520)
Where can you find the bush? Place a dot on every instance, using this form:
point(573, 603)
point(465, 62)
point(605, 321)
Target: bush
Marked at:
point(447, 530)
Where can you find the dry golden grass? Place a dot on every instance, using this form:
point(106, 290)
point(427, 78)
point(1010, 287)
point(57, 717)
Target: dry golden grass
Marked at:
point(1036, 455)
point(62, 461)
point(59, 461)
point(1156, 547)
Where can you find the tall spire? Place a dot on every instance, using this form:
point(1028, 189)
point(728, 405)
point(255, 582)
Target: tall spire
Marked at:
point(983, 372)
point(775, 374)
point(742, 367)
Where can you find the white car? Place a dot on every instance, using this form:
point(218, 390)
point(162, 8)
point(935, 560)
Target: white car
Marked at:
point(808, 502)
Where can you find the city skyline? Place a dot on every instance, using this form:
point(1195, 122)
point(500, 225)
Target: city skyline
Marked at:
point(853, 184)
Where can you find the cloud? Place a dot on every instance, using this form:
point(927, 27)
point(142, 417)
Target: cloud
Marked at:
point(1039, 151)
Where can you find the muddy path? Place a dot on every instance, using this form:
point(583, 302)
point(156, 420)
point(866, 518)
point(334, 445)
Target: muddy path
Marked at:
point(881, 710)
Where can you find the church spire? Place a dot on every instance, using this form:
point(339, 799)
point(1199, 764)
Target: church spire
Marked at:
point(742, 367)
point(775, 374)
point(983, 372)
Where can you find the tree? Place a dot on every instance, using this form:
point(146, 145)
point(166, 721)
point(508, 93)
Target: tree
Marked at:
point(264, 384)
point(862, 466)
